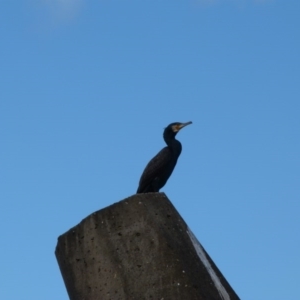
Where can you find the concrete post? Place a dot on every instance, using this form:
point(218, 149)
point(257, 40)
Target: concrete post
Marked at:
point(138, 248)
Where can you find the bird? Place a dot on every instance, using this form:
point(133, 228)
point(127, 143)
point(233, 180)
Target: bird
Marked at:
point(161, 166)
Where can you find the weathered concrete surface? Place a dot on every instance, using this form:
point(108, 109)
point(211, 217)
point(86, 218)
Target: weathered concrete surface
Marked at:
point(139, 248)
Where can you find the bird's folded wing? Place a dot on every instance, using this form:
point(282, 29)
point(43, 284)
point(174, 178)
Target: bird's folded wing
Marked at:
point(154, 168)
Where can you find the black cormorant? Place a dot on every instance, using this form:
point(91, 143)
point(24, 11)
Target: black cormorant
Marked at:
point(161, 166)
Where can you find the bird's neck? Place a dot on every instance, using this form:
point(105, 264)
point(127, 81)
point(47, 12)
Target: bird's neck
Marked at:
point(175, 146)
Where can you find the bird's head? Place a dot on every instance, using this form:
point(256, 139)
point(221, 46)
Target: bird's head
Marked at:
point(172, 129)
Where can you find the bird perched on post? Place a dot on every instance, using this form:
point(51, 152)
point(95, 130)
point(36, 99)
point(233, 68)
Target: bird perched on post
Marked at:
point(161, 166)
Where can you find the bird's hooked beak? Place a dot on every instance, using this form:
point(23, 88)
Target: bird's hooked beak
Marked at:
point(176, 128)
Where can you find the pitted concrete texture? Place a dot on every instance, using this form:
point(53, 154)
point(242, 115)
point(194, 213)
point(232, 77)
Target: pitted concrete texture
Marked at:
point(138, 248)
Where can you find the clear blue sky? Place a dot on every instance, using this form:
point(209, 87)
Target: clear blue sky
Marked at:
point(86, 90)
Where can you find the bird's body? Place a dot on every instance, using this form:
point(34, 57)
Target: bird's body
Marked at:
point(161, 166)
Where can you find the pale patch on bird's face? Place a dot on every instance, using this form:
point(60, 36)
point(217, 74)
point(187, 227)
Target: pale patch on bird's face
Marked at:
point(176, 128)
